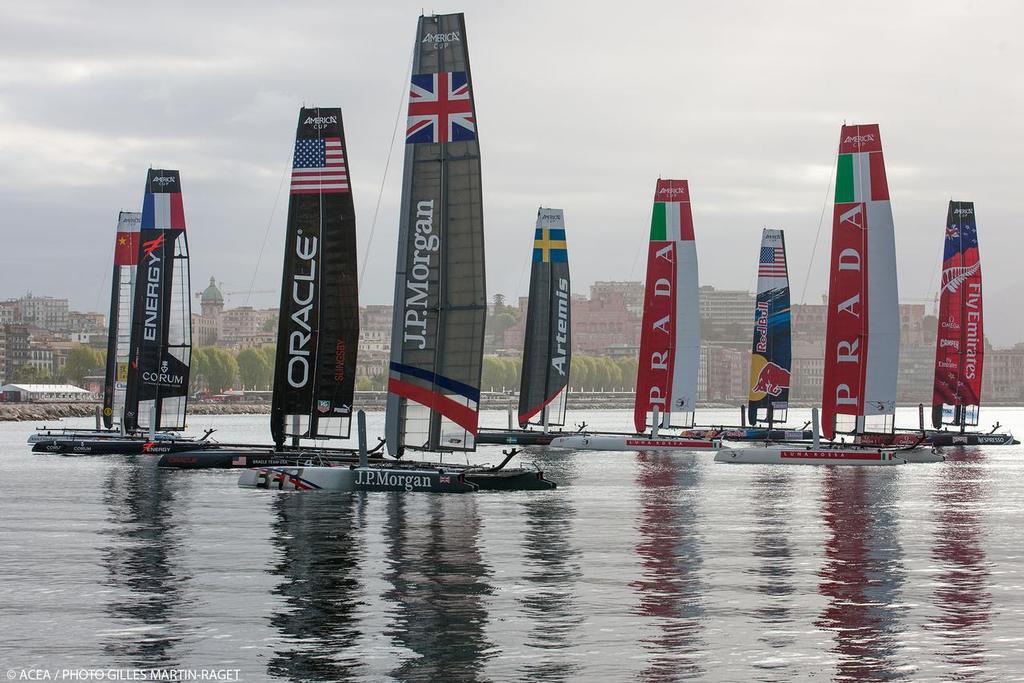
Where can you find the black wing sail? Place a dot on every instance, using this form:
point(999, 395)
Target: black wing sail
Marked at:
point(161, 341)
point(440, 295)
point(318, 331)
point(119, 329)
point(547, 351)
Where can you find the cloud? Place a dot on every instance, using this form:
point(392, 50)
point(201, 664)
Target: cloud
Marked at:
point(580, 106)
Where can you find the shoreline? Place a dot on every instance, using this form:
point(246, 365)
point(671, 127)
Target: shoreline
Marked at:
point(370, 400)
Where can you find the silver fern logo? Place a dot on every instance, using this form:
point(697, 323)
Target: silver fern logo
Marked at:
point(953, 277)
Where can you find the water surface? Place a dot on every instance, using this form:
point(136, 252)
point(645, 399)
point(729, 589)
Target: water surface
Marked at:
point(640, 566)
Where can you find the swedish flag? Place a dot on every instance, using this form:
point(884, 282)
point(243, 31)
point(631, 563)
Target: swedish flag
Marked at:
point(549, 245)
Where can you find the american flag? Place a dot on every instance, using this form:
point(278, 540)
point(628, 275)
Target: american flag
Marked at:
point(440, 108)
point(239, 461)
point(773, 262)
point(319, 167)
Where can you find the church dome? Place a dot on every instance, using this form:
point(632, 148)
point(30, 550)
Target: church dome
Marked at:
point(212, 295)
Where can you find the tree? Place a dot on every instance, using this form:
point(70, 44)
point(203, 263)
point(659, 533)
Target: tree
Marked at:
point(82, 361)
point(254, 369)
point(222, 370)
point(30, 374)
point(213, 369)
point(627, 370)
point(197, 379)
point(490, 376)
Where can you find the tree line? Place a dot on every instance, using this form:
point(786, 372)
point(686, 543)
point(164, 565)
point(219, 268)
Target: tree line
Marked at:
point(215, 369)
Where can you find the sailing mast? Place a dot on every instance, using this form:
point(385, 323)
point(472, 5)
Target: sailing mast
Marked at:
point(862, 338)
point(670, 335)
point(547, 349)
point(318, 329)
point(161, 341)
point(771, 352)
point(122, 293)
point(440, 296)
point(959, 343)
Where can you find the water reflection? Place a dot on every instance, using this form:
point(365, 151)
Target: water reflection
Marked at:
point(552, 571)
point(319, 542)
point(149, 596)
point(438, 587)
point(962, 592)
point(862, 574)
point(670, 590)
point(774, 575)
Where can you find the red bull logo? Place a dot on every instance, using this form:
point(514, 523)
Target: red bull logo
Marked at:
point(771, 380)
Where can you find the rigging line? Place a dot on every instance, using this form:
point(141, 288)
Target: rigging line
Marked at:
point(931, 281)
point(817, 235)
point(387, 165)
point(266, 234)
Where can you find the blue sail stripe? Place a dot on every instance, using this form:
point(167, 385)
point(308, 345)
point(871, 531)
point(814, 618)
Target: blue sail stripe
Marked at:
point(469, 392)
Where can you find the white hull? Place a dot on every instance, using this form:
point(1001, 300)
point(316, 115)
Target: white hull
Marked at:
point(299, 478)
point(623, 442)
point(799, 455)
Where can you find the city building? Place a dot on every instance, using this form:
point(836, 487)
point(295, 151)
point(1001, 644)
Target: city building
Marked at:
point(725, 312)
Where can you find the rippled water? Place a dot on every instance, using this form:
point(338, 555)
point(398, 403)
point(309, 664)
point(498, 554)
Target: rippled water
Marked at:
point(656, 567)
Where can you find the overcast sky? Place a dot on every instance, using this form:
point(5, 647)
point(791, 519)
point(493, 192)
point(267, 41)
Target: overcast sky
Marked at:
point(581, 106)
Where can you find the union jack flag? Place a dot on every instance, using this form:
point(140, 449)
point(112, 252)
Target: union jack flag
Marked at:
point(440, 108)
point(319, 166)
point(772, 262)
point(952, 231)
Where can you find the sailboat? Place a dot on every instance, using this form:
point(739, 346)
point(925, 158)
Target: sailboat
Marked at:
point(863, 327)
point(960, 341)
point(318, 324)
point(959, 345)
point(115, 378)
point(666, 388)
point(150, 335)
point(440, 299)
point(547, 346)
point(771, 351)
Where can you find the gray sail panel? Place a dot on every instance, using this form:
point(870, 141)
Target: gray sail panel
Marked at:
point(119, 330)
point(547, 347)
point(440, 296)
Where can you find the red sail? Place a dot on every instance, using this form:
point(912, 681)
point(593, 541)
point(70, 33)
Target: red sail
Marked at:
point(847, 333)
point(959, 344)
point(670, 333)
point(860, 370)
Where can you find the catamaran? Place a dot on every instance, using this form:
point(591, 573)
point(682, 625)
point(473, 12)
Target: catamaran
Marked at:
point(440, 300)
point(771, 352)
point(149, 342)
point(863, 326)
point(959, 345)
point(666, 390)
point(547, 346)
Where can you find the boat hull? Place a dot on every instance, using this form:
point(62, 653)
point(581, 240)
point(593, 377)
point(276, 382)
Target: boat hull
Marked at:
point(789, 455)
point(318, 478)
point(937, 438)
point(758, 434)
point(515, 437)
point(226, 458)
point(633, 442)
point(114, 446)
